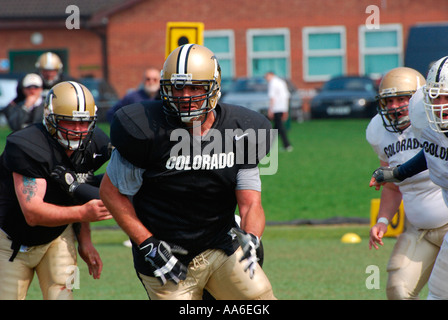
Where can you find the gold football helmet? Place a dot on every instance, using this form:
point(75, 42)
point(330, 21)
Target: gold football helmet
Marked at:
point(436, 88)
point(398, 82)
point(190, 65)
point(69, 101)
point(49, 61)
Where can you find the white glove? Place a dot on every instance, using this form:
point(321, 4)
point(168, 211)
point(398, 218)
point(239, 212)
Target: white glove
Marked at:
point(249, 243)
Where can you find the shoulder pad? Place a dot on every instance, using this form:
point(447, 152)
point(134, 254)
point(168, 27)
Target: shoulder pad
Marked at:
point(375, 130)
point(29, 152)
point(417, 113)
point(132, 131)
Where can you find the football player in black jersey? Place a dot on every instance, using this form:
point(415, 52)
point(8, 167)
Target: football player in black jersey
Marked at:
point(179, 170)
point(48, 196)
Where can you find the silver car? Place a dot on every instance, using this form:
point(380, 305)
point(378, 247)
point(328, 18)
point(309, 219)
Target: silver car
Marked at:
point(252, 93)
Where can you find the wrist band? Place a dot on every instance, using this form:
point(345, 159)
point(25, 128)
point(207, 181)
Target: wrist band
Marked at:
point(383, 220)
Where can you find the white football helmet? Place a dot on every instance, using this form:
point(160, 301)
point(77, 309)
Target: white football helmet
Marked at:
point(436, 88)
point(190, 65)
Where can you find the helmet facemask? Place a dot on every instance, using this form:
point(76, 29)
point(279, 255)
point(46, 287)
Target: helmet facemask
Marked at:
point(437, 113)
point(185, 107)
point(69, 138)
point(394, 119)
point(435, 89)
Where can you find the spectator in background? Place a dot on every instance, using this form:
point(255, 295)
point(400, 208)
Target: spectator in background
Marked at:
point(29, 110)
point(148, 90)
point(50, 68)
point(278, 105)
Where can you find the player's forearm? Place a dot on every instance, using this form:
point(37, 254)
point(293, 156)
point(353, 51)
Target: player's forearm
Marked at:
point(390, 201)
point(50, 215)
point(123, 211)
point(251, 211)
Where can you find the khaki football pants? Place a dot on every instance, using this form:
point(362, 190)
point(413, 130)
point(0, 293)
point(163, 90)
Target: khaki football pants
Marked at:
point(438, 281)
point(52, 262)
point(412, 261)
point(221, 275)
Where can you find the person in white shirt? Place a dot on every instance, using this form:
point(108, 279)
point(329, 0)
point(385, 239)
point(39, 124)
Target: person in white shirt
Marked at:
point(278, 106)
point(392, 137)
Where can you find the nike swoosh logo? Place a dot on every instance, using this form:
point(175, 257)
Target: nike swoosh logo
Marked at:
point(241, 136)
point(96, 155)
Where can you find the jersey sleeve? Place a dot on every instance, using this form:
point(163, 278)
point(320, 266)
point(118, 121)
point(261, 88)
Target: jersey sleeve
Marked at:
point(123, 175)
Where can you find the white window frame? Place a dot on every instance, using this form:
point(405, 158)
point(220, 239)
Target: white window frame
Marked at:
point(363, 51)
point(307, 53)
point(270, 54)
point(220, 55)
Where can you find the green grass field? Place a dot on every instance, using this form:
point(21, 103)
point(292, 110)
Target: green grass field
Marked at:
point(325, 176)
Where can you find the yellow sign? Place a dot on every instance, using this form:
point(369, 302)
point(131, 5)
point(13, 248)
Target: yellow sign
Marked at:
point(396, 225)
point(179, 33)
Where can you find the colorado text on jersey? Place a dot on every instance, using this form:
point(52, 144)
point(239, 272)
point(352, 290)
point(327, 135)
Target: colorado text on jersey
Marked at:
point(433, 150)
point(213, 151)
point(399, 146)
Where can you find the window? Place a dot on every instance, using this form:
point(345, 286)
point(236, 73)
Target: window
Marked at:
point(380, 49)
point(222, 44)
point(24, 60)
point(268, 50)
point(324, 51)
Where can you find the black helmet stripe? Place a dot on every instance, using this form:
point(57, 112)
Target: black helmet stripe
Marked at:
point(440, 69)
point(182, 58)
point(80, 96)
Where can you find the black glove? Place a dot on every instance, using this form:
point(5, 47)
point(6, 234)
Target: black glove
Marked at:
point(387, 174)
point(66, 178)
point(249, 243)
point(160, 255)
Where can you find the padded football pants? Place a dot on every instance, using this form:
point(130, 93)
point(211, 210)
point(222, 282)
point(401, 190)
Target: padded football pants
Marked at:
point(52, 262)
point(412, 261)
point(223, 276)
point(438, 281)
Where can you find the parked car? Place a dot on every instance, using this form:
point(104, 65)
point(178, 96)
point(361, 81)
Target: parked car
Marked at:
point(104, 94)
point(226, 84)
point(252, 93)
point(345, 96)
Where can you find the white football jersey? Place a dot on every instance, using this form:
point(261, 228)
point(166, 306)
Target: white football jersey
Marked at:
point(435, 144)
point(422, 199)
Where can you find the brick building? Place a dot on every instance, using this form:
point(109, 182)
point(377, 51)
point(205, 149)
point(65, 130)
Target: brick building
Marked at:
point(305, 40)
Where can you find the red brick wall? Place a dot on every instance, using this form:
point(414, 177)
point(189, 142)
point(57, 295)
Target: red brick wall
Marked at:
point(137, 35)
point(83, 46)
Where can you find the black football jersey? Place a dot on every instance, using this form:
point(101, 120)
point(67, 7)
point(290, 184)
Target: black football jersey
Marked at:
point(33, 152)
point(188, 192)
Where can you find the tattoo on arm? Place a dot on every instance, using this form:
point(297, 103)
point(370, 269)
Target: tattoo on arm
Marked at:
point(29, 188)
